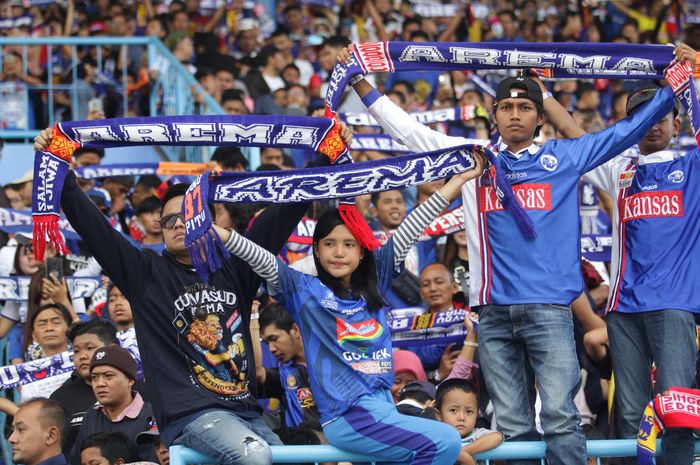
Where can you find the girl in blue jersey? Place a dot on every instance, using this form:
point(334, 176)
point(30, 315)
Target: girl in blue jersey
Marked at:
point(346, 336)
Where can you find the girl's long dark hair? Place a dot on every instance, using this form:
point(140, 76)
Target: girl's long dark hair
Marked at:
point(363, 281)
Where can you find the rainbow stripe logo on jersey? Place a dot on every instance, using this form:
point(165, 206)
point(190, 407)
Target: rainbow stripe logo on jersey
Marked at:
point(367, 330)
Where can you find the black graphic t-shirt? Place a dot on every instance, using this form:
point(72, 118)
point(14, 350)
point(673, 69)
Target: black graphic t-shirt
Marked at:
point(193, 337)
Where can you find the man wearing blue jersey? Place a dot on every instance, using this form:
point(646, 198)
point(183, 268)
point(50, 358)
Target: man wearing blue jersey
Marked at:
point(655, 289)
point(524, 288)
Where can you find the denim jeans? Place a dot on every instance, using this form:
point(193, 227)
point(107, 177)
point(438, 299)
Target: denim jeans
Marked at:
point(521, 344)
point(229, 439)
point(666, 337)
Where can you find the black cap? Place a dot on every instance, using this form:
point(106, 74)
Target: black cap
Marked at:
point(643, 95)
point(422, 386)
point(150, 433)
point(525, 88)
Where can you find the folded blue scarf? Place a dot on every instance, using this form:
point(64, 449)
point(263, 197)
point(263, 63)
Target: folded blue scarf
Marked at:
point(339, 181)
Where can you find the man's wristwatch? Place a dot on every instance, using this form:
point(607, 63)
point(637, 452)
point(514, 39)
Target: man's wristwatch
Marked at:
point(435, 376)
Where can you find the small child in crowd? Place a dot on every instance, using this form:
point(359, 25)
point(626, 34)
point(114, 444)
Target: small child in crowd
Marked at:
point(457, 405)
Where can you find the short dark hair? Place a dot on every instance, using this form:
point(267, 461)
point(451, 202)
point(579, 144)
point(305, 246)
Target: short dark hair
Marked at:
point(454, 384)
point(52, 413)
point(267, 167)
point(127, 181)
point(150, 181)
point(280, 31)
point(290, 7)
point(83, 150)
point(277, 315)
point(229, 157)
point(335, 41)
point(412, 20)
point(203, 72)
point(148, 205)
point(409, 86)
point(55, 306)
point(292, 66)
point(585, 87)
point(510, 13)
point(415, 394)
point(103, 329)
point(376, 195)
point(113, 445)
point(231, 94)
point(419, 34)
point(267, 52)
point(176, 190)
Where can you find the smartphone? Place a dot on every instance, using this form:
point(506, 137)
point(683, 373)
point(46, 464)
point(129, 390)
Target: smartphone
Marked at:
point(95, 104)
point(54, 267)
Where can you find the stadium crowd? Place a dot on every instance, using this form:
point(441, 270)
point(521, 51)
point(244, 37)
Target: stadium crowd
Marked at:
point(203, 343)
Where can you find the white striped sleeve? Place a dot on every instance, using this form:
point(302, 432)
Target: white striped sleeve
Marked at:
point(263, 263)
point(413, 226)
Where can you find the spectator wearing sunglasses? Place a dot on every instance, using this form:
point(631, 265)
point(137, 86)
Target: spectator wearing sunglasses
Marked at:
point(199, 360)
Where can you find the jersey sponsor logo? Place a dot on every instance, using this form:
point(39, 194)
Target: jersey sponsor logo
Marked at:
point(367, 330)
point(626, 179)
point(650, 187)
point(373, 367)
point(381, 354)
point(652, 205)
point(549, 162)
point(530, 196)
point(677, 176)
point(305, 397)
point(373, 57)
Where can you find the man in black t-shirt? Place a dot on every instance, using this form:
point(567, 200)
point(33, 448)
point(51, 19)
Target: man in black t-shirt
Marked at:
point(194, 337)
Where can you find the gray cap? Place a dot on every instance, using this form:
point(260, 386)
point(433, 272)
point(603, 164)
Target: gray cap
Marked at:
point(643, 95)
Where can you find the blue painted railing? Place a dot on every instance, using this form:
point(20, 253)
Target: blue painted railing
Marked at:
point(180, 455)
point(170, 94)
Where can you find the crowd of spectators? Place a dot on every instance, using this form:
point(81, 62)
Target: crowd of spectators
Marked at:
point(254, 61)
point(277, 62)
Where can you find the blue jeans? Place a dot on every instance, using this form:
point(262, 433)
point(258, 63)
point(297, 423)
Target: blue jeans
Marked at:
point(519, 344)
point(229, 439)
point(666, 337)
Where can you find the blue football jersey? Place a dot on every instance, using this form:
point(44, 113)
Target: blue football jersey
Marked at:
point(348, 347)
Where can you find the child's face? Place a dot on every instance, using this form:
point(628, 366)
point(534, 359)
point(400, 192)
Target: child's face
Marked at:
point(459, 409)
point(339, 253)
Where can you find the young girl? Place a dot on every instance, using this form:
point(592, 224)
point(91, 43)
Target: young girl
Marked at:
point(346, 336)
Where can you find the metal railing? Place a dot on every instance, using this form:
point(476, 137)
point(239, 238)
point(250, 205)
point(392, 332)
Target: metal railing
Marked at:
point(180, 455)
point(171, 84)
